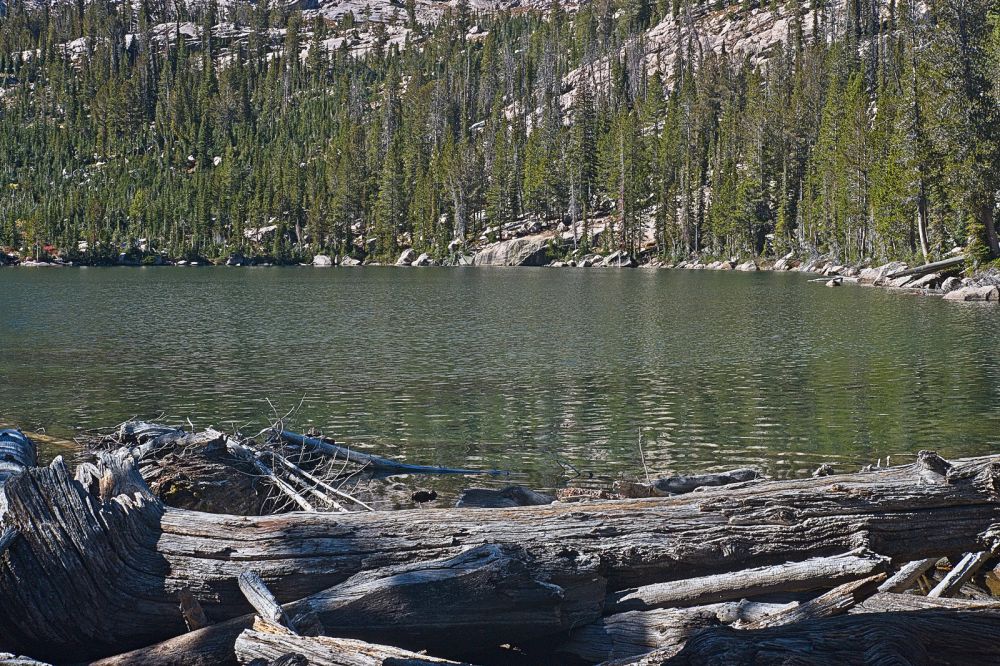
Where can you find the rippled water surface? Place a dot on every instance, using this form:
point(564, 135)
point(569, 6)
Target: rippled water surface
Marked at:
point(515, 368)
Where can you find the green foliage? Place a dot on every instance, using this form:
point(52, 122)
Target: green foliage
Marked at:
point(205, 147)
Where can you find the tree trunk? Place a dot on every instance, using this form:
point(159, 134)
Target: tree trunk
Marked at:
point(100, 563)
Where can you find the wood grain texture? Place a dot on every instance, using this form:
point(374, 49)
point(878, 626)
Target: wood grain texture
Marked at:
point(100, 561)
point(326, 651)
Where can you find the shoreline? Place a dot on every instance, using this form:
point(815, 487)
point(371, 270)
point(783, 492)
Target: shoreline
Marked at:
point(946, 282)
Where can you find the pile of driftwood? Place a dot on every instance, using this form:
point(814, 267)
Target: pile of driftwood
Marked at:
point(887, 565)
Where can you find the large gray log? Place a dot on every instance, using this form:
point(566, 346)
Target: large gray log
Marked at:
point(326, 651)
point(923, 637)
point(951, 262)
point(62, 589)
point(812, 574)
point(491, 592)
point(637, 632)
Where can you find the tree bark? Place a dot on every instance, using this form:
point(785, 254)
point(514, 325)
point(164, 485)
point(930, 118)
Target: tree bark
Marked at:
point(100, 562)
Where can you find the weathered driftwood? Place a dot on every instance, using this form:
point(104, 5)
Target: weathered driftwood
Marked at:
point(951, 262)
point(491, 593)
point(78, 536)
point(812, 574)
point(637, 632)
point(883, 602)
point(370, 461)
point(326, 651)
point(963, 572)
point(922, 637)
point(267, 607)
point(907, 575)
point(511, 496)
point(837, 601)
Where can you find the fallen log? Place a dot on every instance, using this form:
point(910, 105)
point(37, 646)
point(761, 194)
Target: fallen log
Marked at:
point(62, 590)
point(487, 498)
point(921, 637)
point(638, 632)
point(812, 574)
point(678, 485)
point(951, 262)
point(327, 651)
point(492, 593)
point(884, 602)
point(373, 462)
point(837, 601)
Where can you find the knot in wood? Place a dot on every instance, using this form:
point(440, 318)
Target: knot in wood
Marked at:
point(932, 462)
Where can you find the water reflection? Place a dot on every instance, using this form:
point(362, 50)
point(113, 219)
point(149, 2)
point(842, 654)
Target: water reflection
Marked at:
point(511, 368)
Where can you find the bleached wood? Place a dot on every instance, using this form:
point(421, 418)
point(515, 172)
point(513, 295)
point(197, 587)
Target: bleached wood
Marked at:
point(907, 575)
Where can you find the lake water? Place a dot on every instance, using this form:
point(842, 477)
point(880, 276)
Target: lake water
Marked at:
point(511, 368)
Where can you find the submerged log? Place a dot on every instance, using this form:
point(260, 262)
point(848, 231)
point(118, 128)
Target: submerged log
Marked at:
point(326, 651)
point(922, 637)
point(487, 498)
point(812, 574)
point(678, 485)
point(78, 536)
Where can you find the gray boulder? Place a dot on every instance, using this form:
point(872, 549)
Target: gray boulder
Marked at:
point(408, 256)
point(423, 260)
point(349, 261)
point(322, 261)
point(526, 251)
point(951, 284)
point(990, 294)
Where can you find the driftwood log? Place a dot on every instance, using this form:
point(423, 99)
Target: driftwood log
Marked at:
point(812, 574)
point(326, 651)
point(100, 563)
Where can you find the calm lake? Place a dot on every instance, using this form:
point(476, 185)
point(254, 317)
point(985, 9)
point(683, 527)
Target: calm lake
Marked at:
point(511, 368)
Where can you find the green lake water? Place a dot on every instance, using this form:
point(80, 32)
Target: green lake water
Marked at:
point(511, 368)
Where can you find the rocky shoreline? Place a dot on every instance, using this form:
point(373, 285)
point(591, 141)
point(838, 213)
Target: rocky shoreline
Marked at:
point(542, 250)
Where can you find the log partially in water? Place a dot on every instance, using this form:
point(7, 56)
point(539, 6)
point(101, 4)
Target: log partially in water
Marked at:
point(678, 485)
point(77, 537)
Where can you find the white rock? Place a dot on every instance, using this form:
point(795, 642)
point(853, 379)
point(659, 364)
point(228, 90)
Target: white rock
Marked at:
point(322, 261)
point(408, 256)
